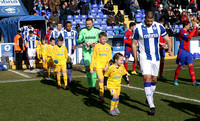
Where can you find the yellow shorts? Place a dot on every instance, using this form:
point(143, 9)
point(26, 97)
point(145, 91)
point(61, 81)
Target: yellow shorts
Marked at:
point(50, 61)
point(114, 91)
point(100, 73)
point(61, 67)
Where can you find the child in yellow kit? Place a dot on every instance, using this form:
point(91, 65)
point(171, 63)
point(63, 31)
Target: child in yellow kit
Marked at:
point(101, 56)
point(44, 53)
point(60, 57)
point(50, 62)
point(38, 49)
point(112, 81)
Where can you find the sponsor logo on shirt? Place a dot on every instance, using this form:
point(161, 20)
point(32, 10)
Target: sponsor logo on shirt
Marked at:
point(150, 35)
point(59, 54)
point(90, 37)
point(116, 77)
point(102, 54)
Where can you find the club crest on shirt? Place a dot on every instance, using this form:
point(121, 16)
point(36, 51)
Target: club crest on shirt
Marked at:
point(154, 28)
point(131, 37)
point(121, 71)
point(107, 48)
point(62, 49)
point(112, 91)
point(95, 33)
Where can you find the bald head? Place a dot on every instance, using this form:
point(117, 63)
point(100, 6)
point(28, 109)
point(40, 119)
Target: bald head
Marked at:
point(149, 18)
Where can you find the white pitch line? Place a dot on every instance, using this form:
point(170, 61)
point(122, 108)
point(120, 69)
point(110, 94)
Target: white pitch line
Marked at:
point(19, 73)
point(165, 94)
point(175, 69)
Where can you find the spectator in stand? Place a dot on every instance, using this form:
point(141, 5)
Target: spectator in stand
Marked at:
point(176, 3)
point(158, 2)
point(133, 9)
point(177, 14)
point(46, 4)
point(121, 30)
point(85, 7)
point(168, 30)
point(171, 16)
point(44, 15)
point(119, 19)
point(111, 20)
point(158, 13)
point(73, 8)
point(54, 5)
point(77, 28)
point(54, 19)
point(40, 6)
point(184, 17)
point(108, 8)
point(64, 11)
point(99, 1)
point(193, 6)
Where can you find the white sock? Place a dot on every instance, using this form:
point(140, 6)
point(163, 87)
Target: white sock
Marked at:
point(30, 62)
point(148, 92)
point(153, 88)
point(69, 74)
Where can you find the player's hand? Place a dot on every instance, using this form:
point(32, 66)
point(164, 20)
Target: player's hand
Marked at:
point(128, 85)
point(81, 45)
point(105, 87)
point(87, 42)
point(55, 61)
point(105, 69)
point(194, 25)
point(137, 65)
point(170, 53)
point(91, 71)
point(21, 51)
point(74, 47)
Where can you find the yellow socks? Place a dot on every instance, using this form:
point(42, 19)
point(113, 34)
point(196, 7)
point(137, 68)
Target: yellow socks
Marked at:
point(114, 103)
point(112, 106)
point(65, 78)
point(49, 71)
point(101, 89)
point(58, 79)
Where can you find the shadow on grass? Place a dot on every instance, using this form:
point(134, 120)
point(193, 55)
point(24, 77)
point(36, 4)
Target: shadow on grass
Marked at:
point(187, 108)
point(49, 82)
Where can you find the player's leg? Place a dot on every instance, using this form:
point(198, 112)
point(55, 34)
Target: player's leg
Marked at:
point(69, 75)
point(162, 63)
point(189, 60)
point(58, 67)
point(113, 102)
point(127, 55)
point(101, 84)
point(49, 66)
point(133, 69)
point(117, 101)
point(64, 71)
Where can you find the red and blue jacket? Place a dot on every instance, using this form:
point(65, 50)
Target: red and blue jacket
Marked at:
point(128, 37)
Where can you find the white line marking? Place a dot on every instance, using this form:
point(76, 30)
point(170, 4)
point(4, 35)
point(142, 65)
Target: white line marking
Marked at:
point(19, 73)
point(175, 69)
point(165, 94)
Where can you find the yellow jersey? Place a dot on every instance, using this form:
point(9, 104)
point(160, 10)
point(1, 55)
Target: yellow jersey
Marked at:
point(44, 51)
point(115, 76)
point(60, 54)
point(49, 50)
point(101, 56)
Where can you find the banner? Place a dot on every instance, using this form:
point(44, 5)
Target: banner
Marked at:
point(7, 49)
point(11, 8)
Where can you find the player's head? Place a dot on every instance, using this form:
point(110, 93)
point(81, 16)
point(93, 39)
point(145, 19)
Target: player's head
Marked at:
point(43, 41)
point(118, 59)
point(30, 33)
point(19, 32)
point(29, 26)
point(149, 18)
point(68, 25)
point(103, 37)
point(186, 25)
point(161, 20)
point(60, 41)
point(132, 25)
point(52, 41)
point(59, 26)
point(89, 23)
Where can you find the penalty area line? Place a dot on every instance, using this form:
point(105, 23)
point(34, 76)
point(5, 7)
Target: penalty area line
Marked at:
point(19, 73)
point(165, 94)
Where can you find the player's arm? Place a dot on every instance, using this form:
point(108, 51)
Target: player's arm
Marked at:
point(106, 75)
point(126, 37)
point(134, 45)
point(109, 56)
point(125, 77)
point(80, 38)
point(38, 41)
point(93, 58)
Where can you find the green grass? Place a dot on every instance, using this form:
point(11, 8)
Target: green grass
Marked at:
point(40, 100)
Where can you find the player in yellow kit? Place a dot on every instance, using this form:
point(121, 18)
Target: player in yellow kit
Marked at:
point(112, 81)
point(38, 49)
point(50, 62)
point(60, 57)
point(44, 53)
point(101, 56)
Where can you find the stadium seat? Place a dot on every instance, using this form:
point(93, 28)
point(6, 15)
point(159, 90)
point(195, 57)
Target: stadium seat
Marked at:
point(99, 21)
point(114, 27)
point(76, 17)
point(196, 56)
point(92, 11)
point(94, 6)
point(96, 23)
point(143, 11)
point(73, 23)
point(170, 26)
point(105, 16)
point(101, 28)
point(110, 33)
point(104, 27)
point(176, 26)
point(103, 23)
point(71, 20)
point(98, 17)
point(83, 16)
point(143, 15)
point(96, 9)
point(177, 30)
point(139, 11)
point(81, 23)
point(82, 26)
point(44, 11)
point(101, 5)
point(93, 14)
point(109, 28)
point(99, 11)
point(181, 26)
point(83, 20)
point(101, 14)
point(77, 20)
point(97, 26)
point(138, 18)
point(70, 17)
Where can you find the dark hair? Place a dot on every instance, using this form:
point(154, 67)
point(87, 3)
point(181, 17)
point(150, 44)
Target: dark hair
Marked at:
point(102, 34)
point(116, 56)
point(185, 23)
point(18, 31)
point(60, 39)
point(89, 19)
point(51, 39)
point(149, 14)
point(68, 22)
point(132, 24)
point(30, 32)
point(58, 23)
point(50, 28)
point(161, 19)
